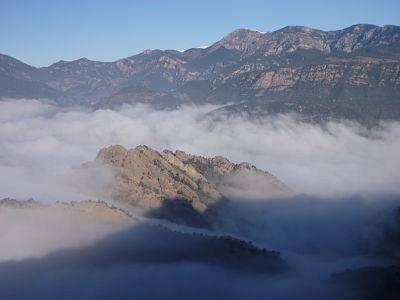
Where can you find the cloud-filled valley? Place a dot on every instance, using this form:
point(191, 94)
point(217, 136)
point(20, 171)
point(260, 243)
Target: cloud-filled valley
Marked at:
point(41, 143)
point(262, 166)
point(345, 178)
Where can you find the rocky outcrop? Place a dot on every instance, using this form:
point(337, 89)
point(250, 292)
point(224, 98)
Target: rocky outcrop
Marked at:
point(147, 178)
point(245, 41)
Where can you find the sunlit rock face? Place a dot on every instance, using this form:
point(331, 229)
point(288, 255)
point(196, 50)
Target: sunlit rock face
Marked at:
point(146, 178)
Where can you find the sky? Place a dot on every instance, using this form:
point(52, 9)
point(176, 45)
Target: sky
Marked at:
point(42, 32)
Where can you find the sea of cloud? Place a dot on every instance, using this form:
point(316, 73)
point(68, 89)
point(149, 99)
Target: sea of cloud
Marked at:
point(40, 143)
point(346, 176)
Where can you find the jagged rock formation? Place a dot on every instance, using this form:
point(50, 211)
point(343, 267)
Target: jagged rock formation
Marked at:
point(352, 73)
point(147, 178)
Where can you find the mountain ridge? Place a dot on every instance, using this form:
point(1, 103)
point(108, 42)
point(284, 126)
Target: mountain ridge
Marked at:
point(295, 65)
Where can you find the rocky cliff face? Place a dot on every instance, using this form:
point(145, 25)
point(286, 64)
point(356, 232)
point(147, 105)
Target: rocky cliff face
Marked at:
point(297, 64)
point(147, 178)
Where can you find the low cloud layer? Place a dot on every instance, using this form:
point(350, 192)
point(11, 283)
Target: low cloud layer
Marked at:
point(40, 143)
point(36, 232)
point(316, 238)
point(341, 166)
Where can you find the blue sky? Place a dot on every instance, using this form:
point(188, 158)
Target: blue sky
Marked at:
point(42, 32)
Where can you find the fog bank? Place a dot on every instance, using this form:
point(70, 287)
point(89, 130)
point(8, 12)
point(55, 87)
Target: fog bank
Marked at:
point(40, 143)
point(349, 176)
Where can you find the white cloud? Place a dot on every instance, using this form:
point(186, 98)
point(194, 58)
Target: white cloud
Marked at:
point(40, 143)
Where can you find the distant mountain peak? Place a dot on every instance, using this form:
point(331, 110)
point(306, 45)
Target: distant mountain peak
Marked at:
point(242, 32)
point(296, 62)
point(242, 39)
point(83, 59)
point(296, 28)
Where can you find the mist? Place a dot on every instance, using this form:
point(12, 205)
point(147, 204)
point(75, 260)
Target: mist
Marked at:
point(36, 232)
point(344, 178)
point(316, 239)
point(41, 143)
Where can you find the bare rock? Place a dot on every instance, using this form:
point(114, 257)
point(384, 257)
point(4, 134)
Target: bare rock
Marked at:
point(147, 178)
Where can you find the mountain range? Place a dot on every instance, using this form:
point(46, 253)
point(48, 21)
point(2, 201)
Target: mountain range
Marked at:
point(353, 73)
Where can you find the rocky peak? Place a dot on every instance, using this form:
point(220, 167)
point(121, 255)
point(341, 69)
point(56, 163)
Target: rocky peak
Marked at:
point(146, 178)
point(292, 38)
point(243, 40)
point(13, 67)
point(296, 29)
point(224, 173)
point(77, 62)
point(364, 36)
point(83, 61)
